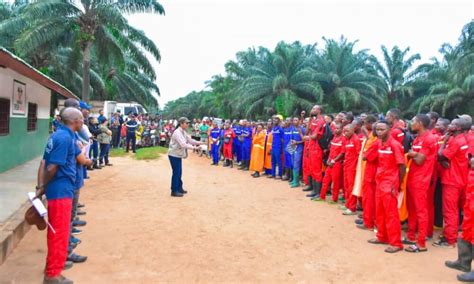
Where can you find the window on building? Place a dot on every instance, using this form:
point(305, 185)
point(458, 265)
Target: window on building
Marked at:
point(32, 116)
point(4, 116)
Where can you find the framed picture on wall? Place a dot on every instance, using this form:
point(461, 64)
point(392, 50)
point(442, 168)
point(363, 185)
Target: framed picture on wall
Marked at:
point(19, 98)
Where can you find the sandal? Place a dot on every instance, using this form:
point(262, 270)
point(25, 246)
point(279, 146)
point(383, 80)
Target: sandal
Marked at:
point(415, 249)
point(376, 241)
point(407, 241)
point(392, 249)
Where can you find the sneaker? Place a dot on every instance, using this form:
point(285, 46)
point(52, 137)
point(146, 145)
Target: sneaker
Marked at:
point(363, 227)
point(76, 258)
point(57, 280)
point(76, 231)
point(443, 243)
point(80, 205)
point(348, 212)
point(74, 240)
point(79, 223)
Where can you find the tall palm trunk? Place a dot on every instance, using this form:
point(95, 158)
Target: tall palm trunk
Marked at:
point(86, 67)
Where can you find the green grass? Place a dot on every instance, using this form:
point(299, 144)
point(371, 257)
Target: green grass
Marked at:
point(149, 153)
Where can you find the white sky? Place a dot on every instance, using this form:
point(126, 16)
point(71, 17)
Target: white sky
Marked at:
point(196, 37)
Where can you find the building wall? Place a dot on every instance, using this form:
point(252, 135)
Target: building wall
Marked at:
point(20, 146)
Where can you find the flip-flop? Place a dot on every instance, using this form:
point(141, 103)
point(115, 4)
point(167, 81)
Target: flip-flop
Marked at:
point(415, 249)
point(392, 249)
point(406, 241)
point(376, 241)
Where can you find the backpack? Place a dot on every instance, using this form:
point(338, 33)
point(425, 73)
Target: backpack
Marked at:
point(407, 140)
point(325, 140)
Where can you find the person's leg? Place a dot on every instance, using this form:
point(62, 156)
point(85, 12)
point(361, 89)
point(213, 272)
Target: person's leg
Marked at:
point(451, 212)
point(279, 162)
point(351, 200)
point(422, 213)
point(326, 182)
point(59, 216)
point(438, 204)
point(336, 179)
point(431, 207)
point(102, 154)
point(368, 203)
point(175, 183)
point(134, 143)
point(129, 139)
point(380, 218)
point(412, 213)
point(106, 155)
point(274, 163)
point(394, 229)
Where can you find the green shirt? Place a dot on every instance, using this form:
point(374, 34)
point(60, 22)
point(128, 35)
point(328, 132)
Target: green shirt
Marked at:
point(203, 130)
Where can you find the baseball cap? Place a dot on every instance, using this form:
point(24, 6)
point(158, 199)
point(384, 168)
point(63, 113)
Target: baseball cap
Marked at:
point(84, 105)
point(183, 120)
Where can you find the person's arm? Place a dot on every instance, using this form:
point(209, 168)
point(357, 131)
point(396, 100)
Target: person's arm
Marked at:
point(402, 169)
point(181, 139)
point(191, 141)
point(40, 179)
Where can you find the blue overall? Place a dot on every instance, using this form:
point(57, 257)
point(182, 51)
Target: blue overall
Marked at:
point(298, 154)
point(215, 136)
point(247, 144)
point(288, 132)
point(237, 145)
point(277, 150)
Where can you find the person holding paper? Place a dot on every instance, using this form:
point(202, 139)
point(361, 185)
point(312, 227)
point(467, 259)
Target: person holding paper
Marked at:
point(180, 142)
point(57, 179)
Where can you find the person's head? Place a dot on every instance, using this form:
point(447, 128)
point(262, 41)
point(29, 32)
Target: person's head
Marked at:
point(382, 128)
point(227, 125)
point(434, 116)
point(442, 125)
point(316, 110)
point(347, 119)
point(72, 103)
point(337, 128)
point(104, 121)
point(357, 125)
point(259, 127)
point(328, 118)
point(363, 116)
point(101, 112)
point(369, 122)
point(288, 121)
point(277, 120)
point(349, 130)
point(296, 121)
point(393, 115)
point(455, 126)
point(214, 124)
point(466, 122)
point(339, 117)
point(183, 122)
point(420, 122)
point(72, 118)
point(269, 124)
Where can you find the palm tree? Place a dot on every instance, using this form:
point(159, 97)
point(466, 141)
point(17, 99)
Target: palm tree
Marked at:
point(447, 86)
point(92, 26)
point(347, 77)
point(395, 70)
point(281, 81)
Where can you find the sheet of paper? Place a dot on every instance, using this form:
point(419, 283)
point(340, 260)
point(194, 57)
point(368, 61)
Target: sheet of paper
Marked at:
point(39, 206)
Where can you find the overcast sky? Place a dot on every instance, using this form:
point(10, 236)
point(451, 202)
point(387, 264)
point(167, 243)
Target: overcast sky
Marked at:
point(196, 37)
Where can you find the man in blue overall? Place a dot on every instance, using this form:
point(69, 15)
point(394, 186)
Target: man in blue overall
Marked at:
point(131, 125)
point(237, 146)
point(215, 142)
point(288, 164)
point(277, 147)
point(246, 145)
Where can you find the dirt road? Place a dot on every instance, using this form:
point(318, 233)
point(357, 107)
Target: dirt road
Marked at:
point(229, 228)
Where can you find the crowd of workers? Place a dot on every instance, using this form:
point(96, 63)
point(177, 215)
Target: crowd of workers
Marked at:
point(416, 174)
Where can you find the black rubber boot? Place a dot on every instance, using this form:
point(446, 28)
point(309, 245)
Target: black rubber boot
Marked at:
point(226, 163)
point(309, 187)
point(316, 189)
point(290, 174)
point(247, 165)
point(463, 263)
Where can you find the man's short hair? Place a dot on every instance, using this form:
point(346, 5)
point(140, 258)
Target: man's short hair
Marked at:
point(433, 115)
point(395, 112)
point(370, 119)
point(424, 119)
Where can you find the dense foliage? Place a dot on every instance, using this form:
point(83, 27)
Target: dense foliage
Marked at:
point(87, 45)
point(292, 77)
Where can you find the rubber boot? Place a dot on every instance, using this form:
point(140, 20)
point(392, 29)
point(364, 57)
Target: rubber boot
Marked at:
point(226, 163)
point(463, 263)
point(309, 187)
point(316, 190)
point(285, 174)
point(296, 179)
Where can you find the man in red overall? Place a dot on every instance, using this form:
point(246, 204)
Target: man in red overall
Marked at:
point(351, 150)
point(229, 136)
point(453, 157)
point(334, 170)
point(390, 173)
point(315, 155)
point(423, 155)
point(393, 117)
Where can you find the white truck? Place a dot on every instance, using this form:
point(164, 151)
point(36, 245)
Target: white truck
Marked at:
point(132, 107)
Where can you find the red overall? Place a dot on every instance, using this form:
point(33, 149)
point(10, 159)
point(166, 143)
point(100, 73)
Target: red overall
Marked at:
point(468, 221)
point(437, 169)
point(59, 216)
point(390, 156)
point(229, 136)
point(334, 173)
point(397, 133)
point(369, 185)
point(351, 152)
point(418, 184)
point(454, 181)
point(315, 152)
